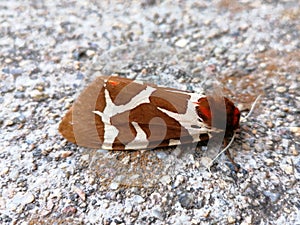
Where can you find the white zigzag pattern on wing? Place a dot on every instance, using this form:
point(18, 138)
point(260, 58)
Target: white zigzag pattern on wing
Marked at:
point(110, 131)
point(190, 118)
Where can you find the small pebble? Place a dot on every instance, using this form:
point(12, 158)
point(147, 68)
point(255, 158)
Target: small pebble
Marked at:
point(14, 174)
point(285, 209)
point(246, 147)
point(9, 122)
point(179, 180)
point(137, 199)
point(157, 213)
point(4, 171)
point(186, 200)
point(269, 162)
point(114, 186)
point(16, 71)
point(247, 221)
point(65, 154)
point(294, 151)
point(281, 89)
point(274, 197)
point(20, 199)
point(80, 193)
point(270, 124)
point(295, 130)
point(231, 219)
point(90, 53)
point(85, 157)
point(232, 58)
point(206, 213)
point(181, 43)
point(261, 48)
point(128, 209)
point(288, 169)
point(285, 143)
point(219, 51)
point(196, 80)
point(8, 60)
point(161, 155)
point(69, 210)
point(165, 180)
point(37, 95)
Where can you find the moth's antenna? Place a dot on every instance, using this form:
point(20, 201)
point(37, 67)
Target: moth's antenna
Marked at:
point(252, 108)
point(234, 135)
point(221, 152)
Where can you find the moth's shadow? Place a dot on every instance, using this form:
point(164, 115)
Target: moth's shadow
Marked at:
point(144, 168)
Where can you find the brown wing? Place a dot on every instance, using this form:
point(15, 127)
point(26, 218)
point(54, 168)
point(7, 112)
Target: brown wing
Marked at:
point(79, 125)
point(83, 127)
point(157, 126)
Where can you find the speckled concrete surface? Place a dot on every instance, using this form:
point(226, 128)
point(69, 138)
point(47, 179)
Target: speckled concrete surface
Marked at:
point(49, 50)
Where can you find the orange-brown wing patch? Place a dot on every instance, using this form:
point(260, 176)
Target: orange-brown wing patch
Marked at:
point(122, 90)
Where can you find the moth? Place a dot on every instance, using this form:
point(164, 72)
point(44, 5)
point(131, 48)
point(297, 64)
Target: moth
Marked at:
point(117, 113)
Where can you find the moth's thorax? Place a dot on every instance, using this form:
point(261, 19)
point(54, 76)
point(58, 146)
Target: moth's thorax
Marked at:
point(218, 112)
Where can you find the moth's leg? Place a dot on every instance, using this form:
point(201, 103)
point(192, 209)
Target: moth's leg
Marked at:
point(227, 152)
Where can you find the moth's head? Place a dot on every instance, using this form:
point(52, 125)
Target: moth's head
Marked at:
point(218, 111)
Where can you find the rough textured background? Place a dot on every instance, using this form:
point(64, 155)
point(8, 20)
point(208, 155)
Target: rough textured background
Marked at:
point(49, 50)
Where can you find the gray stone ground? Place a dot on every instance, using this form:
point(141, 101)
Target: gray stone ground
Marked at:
point(49, 50)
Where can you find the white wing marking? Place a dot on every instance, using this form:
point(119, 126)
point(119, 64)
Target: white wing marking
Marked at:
point(190, 118)
point(110, 131)
point(140, 139)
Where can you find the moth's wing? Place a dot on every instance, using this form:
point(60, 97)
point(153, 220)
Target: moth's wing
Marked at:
point(165, 119)
point(79, 124)
point(136, 113)
point(156, 134)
